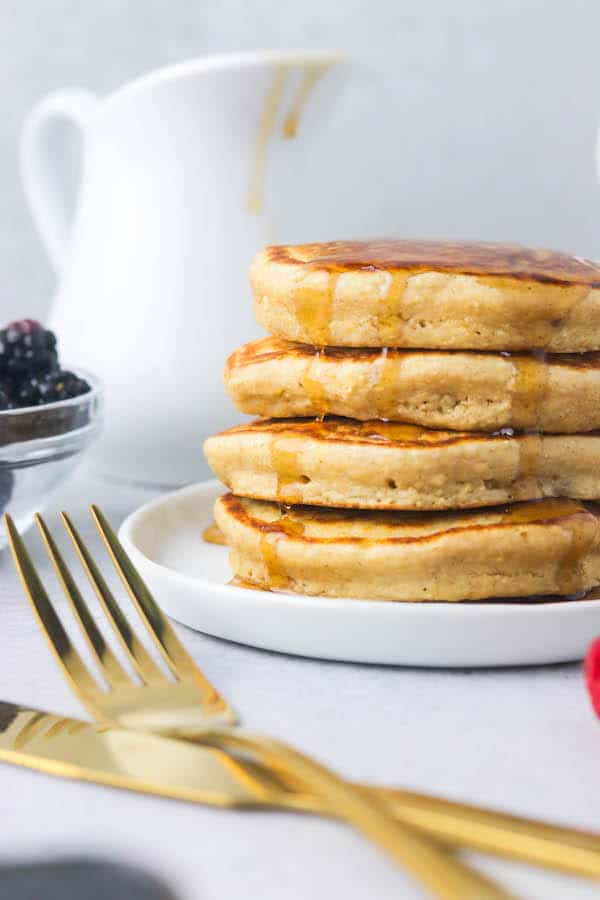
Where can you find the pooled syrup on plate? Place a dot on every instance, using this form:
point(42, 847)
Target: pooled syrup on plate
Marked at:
point(213, 535)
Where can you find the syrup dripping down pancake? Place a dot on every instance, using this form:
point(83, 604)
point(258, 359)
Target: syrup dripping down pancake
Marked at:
point(428, 294)
point(551, 547)
point(386, 465)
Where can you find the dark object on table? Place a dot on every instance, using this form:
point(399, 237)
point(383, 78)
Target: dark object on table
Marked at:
point(30, 374)
point(7, 482)
point(80, 879)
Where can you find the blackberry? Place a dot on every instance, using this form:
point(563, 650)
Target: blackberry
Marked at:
point(26, 349)
point(50, 388)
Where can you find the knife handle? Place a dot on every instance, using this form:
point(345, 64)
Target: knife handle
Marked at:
point(460, 825)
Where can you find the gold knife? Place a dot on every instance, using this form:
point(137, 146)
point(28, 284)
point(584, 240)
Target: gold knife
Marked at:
point(147, 763)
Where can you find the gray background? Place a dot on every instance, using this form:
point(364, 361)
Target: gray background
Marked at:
point(471, 119)
point(477, 120)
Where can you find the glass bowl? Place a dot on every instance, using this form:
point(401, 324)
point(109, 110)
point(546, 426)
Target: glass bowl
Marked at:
point(40, 447)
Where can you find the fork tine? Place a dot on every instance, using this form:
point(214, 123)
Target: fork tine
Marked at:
point(67, 657)
point(111, 669)
point(169, 645)
point(141, 660)
point(176, 656)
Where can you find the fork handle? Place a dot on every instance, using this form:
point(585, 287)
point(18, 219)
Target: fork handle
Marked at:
point(436, 870)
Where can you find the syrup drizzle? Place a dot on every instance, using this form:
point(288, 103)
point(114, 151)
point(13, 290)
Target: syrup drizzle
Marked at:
point(213, 535)
point(528, 396)
point(385, 382)
point(314, 387)
point(314, 308)
point(390, 325)
point(238, 581)
point(530, 389)
point(272, 534)
point(571, 516)
point(285, 464)
point(398, 261)
point(311, 76)
point(266, 126)
point(277, 576)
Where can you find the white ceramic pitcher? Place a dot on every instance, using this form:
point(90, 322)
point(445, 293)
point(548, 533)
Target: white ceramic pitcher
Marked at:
point(182, 176)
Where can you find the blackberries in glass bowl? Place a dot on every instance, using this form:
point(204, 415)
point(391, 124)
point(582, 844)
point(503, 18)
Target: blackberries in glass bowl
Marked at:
point(48, 419)
point(30, 374)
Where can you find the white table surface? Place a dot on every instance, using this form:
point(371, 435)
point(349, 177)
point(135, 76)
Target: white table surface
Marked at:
point(520, 739)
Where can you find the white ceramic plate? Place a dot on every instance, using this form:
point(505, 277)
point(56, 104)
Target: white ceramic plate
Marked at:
point(190, 580)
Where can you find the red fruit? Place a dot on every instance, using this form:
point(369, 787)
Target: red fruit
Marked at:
point(592, 675)
point(25, 326)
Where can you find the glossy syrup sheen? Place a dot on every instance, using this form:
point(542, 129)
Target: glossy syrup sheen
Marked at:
point(376, 431)
point(464, 257)
point(286, 459)
point(267, 349)
point(336, 428)
point(314, 299)
point(293, 521)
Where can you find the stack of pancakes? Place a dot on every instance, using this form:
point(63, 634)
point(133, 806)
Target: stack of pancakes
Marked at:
point(430, 433)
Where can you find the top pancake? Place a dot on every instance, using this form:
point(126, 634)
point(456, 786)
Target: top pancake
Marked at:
point(428, 294)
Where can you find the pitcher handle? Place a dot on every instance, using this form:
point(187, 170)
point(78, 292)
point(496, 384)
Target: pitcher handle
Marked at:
point(44, 193)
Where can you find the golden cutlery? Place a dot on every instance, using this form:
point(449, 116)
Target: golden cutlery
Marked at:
point(180, 706)
point(149, 763)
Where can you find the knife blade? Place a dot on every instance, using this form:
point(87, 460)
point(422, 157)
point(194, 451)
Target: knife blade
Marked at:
point(134, 760)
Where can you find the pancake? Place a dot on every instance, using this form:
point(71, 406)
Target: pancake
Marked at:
point(428, 294)
point(452, 389)
point(547, 548)
point(385, 465)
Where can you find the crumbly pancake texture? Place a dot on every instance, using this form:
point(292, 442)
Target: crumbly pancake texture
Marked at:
point(547, 548)
point(428, 294)
point(385, 465)
point(452, 389)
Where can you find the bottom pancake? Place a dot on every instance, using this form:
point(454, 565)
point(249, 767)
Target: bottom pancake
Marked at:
point(549, 547)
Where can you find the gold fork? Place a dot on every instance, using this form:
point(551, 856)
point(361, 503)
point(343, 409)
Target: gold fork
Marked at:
point(186, 705)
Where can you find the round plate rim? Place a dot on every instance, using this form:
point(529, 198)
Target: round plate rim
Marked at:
point(277, 598)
